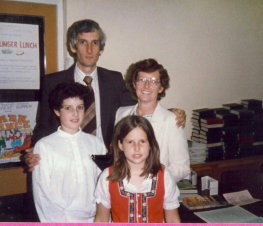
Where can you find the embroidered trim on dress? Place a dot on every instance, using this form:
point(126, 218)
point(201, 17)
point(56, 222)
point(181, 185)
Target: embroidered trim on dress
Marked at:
point(132, 200)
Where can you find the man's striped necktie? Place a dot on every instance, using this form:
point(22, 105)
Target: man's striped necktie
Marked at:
point(89, 122)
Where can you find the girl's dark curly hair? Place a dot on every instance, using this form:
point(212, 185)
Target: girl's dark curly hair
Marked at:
point(66, 90)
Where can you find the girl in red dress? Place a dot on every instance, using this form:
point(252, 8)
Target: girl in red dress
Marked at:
point(137, 188)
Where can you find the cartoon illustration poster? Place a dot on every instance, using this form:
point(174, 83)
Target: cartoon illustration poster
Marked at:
point(17, 120)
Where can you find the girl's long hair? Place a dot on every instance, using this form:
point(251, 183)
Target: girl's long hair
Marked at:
point(120, 166)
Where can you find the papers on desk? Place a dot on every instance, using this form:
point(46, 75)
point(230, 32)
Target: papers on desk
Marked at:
point(240, 198)
point(234, 214)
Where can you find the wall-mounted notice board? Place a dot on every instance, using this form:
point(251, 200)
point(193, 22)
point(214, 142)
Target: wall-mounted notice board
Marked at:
point(21, 69)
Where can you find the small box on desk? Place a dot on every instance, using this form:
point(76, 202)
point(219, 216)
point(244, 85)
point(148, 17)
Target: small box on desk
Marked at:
point(210, 184)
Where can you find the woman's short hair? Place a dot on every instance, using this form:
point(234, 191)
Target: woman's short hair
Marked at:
point(147, 65)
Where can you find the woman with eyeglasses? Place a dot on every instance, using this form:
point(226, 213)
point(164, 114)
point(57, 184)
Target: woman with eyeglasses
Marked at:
point(148, 81)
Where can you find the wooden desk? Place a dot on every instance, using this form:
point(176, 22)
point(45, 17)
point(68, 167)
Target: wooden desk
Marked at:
point(14, 180)
point(215, 169)
point(188, 216)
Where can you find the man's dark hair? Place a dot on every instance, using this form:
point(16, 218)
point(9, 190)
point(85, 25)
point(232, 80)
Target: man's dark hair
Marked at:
point(83, 26)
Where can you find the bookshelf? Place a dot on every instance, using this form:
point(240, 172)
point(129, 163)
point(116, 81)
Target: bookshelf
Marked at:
point(216, 168)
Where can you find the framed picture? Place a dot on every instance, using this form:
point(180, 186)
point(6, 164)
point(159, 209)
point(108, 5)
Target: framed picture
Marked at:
point(22, 65)
point(17, 121)
point(21, 57)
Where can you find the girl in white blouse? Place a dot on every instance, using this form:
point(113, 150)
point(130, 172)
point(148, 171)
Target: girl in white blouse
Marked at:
point(65, 178)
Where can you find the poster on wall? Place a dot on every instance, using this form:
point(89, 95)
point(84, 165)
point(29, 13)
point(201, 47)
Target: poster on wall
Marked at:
point(17, 120)
point(22, 64)
point(22, 59)
point(19, 56)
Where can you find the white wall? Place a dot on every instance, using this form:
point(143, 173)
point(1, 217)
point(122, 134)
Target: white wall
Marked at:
point(212, 49)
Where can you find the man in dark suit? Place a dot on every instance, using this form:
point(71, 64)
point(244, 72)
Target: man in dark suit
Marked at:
point(85, 43)
point(113, 94)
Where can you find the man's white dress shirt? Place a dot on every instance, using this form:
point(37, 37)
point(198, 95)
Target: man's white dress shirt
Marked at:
point(78, 77)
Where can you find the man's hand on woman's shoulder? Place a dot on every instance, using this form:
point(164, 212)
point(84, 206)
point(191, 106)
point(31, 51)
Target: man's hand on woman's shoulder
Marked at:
point(180, 116)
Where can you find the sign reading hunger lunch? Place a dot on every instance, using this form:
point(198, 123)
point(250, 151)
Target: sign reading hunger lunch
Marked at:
point(19, 56)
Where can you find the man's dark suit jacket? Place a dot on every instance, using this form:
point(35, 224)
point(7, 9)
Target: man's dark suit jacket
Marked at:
point(113, 94)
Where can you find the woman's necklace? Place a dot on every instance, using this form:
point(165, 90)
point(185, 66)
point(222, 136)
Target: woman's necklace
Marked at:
point(147, 116)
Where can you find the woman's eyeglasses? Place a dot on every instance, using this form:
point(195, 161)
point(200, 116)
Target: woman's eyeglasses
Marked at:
point(151, 81)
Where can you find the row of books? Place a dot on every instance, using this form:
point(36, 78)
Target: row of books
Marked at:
point(230, 131)
point(197, 152)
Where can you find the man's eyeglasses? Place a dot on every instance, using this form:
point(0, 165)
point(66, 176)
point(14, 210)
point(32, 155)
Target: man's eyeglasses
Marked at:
point(70, 108)
point(151, 81)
